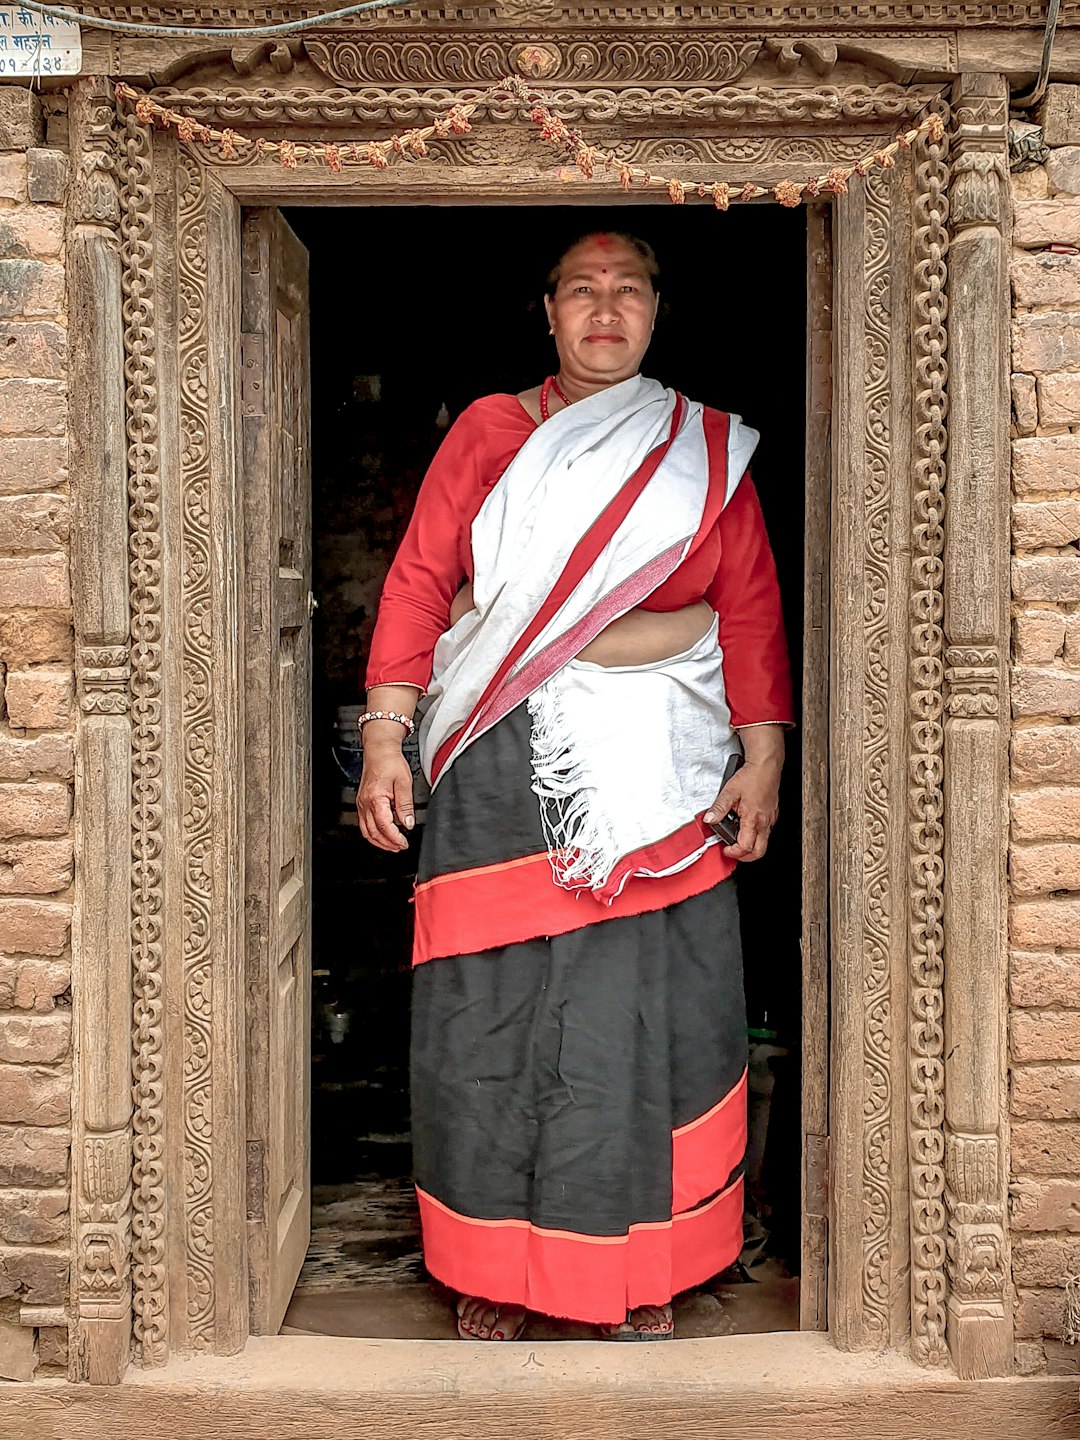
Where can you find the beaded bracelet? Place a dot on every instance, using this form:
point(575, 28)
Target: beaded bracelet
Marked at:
point(386, 715)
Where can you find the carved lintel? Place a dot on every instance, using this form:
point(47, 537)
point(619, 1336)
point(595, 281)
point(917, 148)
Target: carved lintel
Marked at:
point(973, 674)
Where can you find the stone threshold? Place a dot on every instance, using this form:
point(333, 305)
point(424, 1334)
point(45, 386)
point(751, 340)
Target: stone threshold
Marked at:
point(748, 1387)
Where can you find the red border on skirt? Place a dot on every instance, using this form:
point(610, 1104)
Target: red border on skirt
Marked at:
point(593, 1278)
point(468, 911)
point(706, 1151)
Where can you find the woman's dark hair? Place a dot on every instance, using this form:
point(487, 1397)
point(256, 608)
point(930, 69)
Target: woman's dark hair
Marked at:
point(641, 248)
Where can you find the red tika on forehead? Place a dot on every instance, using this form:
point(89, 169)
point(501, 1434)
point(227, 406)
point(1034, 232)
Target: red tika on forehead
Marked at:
point(604, 241)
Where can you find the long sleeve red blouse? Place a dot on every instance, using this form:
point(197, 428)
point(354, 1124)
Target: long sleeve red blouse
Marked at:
point(730, 565)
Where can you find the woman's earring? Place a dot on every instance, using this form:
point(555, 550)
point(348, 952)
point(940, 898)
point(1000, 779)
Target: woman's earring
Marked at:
point(552, 330)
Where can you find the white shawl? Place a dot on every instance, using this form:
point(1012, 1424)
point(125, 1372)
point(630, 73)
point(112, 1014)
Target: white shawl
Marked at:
point(622, 756)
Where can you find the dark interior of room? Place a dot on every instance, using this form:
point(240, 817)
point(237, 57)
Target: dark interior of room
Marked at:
point(415, 313)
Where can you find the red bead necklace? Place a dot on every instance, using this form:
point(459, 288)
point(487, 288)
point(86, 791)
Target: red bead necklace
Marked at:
point(545, 393)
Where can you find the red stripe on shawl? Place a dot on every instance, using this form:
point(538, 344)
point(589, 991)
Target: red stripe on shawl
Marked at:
point(706, 1151)
point(580, 561)
point(596, 1279)
point(659, 856)
point(468, 911)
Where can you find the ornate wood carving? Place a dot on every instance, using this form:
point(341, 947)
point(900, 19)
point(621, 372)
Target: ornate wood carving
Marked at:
point(101, 1131)
point(805, 128)
point(198, 748)
point(149, 1282)
point(976, 737)
point(877, 623)
point(925, 769)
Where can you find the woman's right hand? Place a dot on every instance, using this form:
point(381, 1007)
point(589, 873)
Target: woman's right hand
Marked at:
point(385, 791)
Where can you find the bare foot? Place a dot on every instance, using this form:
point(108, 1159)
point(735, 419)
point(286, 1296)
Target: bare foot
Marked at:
point(485, 1320)
point(645, 1322)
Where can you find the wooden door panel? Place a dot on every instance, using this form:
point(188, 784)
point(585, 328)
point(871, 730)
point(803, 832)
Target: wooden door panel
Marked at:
point(278, 675)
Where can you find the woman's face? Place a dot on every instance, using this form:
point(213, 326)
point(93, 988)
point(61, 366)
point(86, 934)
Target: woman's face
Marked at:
point(602, 312)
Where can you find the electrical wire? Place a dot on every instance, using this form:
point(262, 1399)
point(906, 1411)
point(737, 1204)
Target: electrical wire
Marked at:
point(1025, 102)
point(206, 32)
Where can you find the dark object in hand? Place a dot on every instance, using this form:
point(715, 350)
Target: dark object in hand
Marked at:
point(727, 827)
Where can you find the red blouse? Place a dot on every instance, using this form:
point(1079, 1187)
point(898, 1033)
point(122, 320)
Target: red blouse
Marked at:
point(729, 564)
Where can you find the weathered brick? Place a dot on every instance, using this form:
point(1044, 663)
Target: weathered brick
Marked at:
point(41, 699)
point(1030, 184)
point(37, 1277)
point(1063, 169)
point(1046, 279)
point(1041, 464)
point(1025, 403)
point(1071, 650)
point(35, 927)
point(1059, 397)
point(33, 522)
point(32, 1095)
point(17, 1359)
point(1045, 1147)
point(35, 1039)
point(1045, 1260)
point(35, 867)
point(1059, 114)
point(1050, 522)
point(1047, 754)
point(38, 1155)
point(1047, 577)
point(53, 1346)
point(1044, 1034)
point(1046, 222)
point(34, 637)
point(1046, 1205)
point(34, 464)
point(30, 288)
point(37, 811)
point(1035, 691)
point(13, 177)
point(1029, 1358)
point(43, 755)
point(1048, 814)
point(21, 122)
point(1047, 342)
point(31, 580)
point(1039, 1312)
point(34, 348)
point(32, 407)
point(27, 983)
point(33, 1217)
point(1039, 869)
point(31, 232)
point(1039, 978)
point(1046, 1092)
point(46, 175)
point(1038, 637)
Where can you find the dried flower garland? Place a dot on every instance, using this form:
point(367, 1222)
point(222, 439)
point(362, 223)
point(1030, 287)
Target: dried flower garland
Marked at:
point(571, 143)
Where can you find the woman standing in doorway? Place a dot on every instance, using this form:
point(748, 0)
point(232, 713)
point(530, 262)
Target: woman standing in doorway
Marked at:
point(587, 598)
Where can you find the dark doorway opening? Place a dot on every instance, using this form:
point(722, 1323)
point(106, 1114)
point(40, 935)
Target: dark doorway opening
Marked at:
point(414, 313)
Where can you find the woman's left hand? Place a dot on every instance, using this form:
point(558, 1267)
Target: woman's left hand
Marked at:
point(753, 792)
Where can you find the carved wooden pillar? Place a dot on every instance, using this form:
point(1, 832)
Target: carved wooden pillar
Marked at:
point(101, 953)
point(976, 735)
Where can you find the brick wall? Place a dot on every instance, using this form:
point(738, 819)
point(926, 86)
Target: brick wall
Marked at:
point(36, 723)
point(1044, 856)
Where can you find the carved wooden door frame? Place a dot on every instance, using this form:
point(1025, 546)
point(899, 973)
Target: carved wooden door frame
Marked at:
point(919, 1250)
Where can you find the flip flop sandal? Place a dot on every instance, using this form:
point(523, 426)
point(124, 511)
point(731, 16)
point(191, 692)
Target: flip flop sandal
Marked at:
point(514, 1334)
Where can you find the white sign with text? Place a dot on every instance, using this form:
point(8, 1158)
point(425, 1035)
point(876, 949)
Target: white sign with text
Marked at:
point(36, 44)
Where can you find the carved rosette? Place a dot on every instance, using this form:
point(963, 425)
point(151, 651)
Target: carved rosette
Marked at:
point(198, 751)
point(926, 1042)
point(877, 1083)
point(149, 1272)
